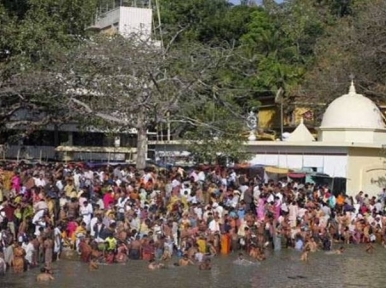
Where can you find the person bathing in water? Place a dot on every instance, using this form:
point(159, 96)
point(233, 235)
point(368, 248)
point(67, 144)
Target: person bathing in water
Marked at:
point(153, 265)
point(304, 255)
point(205, 265)
point(93, 264)
point(184, 261)
point(369, 248)
point(339, 251)
point(44, 275)
point(241, 261)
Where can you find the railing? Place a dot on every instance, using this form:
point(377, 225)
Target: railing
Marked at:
point(21, 152)
point(46, 153)
point(113, 4)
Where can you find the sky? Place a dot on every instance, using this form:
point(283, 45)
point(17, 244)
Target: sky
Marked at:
point(258, 1)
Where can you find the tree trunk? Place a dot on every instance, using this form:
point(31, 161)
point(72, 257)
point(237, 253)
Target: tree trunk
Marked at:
point(141, 148)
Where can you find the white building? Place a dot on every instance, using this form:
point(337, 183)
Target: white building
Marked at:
point(350, 145)
point(127, 18)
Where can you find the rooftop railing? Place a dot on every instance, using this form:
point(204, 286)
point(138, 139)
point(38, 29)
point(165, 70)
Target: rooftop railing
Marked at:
point(109, 5)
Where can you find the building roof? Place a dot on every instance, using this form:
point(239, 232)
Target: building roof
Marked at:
point(301, 134)
point(353, 110)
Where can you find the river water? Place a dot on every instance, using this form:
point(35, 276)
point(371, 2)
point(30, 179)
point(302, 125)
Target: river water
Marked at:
point(354, 268)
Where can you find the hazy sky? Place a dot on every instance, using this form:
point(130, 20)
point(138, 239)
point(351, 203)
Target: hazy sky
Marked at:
point(258, 1)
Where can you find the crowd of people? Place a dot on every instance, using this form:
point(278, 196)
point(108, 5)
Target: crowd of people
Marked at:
point(115, 214)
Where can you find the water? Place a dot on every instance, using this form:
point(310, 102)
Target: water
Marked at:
point(354, 268)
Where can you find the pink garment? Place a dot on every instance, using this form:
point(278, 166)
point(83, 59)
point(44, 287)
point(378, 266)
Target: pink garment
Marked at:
point(277, 210)
point(71, 227)
point(15, 183)
point(107, 200)
point(260, 209)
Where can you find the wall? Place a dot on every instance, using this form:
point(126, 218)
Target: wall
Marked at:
point(129, 20)
point(108, 19)
point(333, 165)
point(28, 152)
point(352, 135)
point(135, 20)
point(366, 171)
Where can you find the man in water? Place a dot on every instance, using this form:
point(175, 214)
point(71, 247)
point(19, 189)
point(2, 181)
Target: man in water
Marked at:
point(304, 256)
point(185, 261)
point(93, 265)
point(369, 248)
point(241, 261)
point(205, 265)
point(336, 252)
point(44, 275)
point(340, 250)
point(153, 265)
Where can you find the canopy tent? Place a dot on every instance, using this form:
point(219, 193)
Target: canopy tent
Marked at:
point(296, 175)
point(276, 170)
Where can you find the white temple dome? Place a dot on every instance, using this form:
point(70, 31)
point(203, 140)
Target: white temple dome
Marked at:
point(352, 111)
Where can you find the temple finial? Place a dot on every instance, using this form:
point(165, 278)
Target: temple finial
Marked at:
point(352, 89)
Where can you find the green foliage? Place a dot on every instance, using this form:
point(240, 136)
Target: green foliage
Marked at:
point(220, 136)
point(208, 21)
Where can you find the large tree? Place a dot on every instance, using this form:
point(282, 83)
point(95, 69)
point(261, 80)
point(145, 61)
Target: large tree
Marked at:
point(133, 83)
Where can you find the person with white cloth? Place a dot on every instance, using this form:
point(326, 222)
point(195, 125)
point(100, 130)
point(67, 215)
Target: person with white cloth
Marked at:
point(38, 220)
point(86, 212)
point(121, 203)
point(29, 249)
point(214, 225)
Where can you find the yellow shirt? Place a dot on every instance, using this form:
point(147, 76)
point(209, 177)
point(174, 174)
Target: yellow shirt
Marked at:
point(201, 245)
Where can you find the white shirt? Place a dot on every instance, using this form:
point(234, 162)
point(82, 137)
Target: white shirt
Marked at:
point(242, 189)
point(29, 251)
point(76, 180)
point(198, 212)
point(59, 185)
point(88, 174)
point(93, 221)
point(214, 226)
point(40, 182)
point(201, 176)
point(256, 193)
point(86, 212)
point(175, 183)
point(121, 204)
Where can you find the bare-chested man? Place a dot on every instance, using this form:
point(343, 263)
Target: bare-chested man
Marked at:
point(185, 261)
point(48, 245)
point(93, 265)
point(44, 275)
point(369, 248)
point(205, 265)
point(135, 249)
point(153, 265)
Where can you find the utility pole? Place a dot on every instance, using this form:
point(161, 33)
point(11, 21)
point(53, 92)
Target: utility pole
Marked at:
point(279, 99)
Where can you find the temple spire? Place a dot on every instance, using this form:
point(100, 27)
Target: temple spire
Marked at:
point(352, 89)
